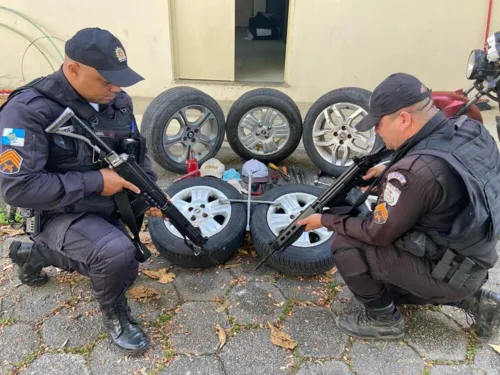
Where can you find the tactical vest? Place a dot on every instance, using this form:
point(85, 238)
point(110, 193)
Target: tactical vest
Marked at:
point(471, 151)
point(68, 154)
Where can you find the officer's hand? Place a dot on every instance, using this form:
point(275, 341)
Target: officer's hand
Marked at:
point(155, 212)
point(311, 222)
point(374, 171)
point(113, 183)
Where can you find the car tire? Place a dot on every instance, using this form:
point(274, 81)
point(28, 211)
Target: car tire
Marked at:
point(341, 134)
point(222, 242)
point(251, 110)
point(167, 112)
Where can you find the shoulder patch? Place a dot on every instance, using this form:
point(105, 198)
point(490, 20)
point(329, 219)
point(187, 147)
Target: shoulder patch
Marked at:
point(13, 137)
point(10, 162)
point(397, 176)
point(380, 214)
point(391, 194)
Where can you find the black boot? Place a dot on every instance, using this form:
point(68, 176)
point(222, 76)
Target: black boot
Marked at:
point(29, 262)
point(381, 323)
point(123, 329)
point(484, 307)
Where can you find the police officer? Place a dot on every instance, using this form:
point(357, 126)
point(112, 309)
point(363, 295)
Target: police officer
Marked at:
point(431, 237)
point(62, 182)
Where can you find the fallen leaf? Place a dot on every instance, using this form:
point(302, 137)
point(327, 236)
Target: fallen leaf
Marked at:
point(142, 293)
point(281, 339)
point(333, 271)
point(495, 347)
point(64, 344)
point(145, 237)
point(11, 231)
point(224, 306)
point(232, 265)
point(162, 275)
point(253, 253)
point(221, 334)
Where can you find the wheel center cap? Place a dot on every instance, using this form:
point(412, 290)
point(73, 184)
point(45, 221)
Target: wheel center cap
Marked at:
point(190, 134)
point(197, 211)
point(343, 134)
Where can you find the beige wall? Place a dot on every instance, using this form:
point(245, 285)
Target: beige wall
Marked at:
point(332, 43)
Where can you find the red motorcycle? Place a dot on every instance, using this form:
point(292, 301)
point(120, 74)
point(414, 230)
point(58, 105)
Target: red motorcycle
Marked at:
point(483, 67)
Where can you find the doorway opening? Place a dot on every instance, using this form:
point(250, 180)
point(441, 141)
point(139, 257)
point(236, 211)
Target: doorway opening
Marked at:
point(260, 40)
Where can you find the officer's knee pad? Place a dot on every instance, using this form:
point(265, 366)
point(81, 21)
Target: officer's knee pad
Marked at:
point(116, 252)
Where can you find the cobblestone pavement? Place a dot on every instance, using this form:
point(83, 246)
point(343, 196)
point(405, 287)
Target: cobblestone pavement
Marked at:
point(56, 328)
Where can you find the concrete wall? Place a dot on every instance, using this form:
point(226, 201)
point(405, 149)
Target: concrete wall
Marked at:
point(244, 11)
point(331, 43)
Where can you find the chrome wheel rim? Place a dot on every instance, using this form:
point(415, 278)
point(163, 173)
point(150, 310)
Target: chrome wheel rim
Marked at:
point(278, 218)
point(335, 137)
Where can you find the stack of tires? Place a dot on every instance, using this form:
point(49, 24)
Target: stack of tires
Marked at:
point(263, 124)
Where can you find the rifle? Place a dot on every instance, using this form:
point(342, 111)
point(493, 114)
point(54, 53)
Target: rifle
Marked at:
point(125, 165)
point(338, 189)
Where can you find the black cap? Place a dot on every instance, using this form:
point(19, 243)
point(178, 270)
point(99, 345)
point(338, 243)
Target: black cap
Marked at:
point(397, 91)
point(103, 51)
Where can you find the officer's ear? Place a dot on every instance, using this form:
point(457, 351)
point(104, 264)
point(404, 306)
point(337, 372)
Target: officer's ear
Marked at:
point(74, 69)
point(405, 119)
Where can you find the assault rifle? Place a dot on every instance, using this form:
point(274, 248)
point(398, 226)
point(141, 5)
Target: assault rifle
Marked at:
point(333, 194)
point(125, 165)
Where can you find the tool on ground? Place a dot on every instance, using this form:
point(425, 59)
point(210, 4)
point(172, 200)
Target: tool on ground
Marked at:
point(302, 176)
point(341, 186)
point(191, 174)
point(275, 176)
point(294, 174)
point(285, 176)
point(318, 175)
point(192, 163)
point(249, 199)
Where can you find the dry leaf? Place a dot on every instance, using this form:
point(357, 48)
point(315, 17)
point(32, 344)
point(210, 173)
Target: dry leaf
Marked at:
point(232, 265)
point(145, 237)
point(11, 231)
point(162, 275)
point(142, 293)
point(281, 339)
point(224, 306)
point(495, 347)
point(333, 271)
point(221, 334)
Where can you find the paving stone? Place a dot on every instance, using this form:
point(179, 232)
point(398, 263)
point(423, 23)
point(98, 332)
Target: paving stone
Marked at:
point(303, 290)
point(202, 365)
point(193, 328)
point(150, 309)
point(16, 342)
point(155, 262)
point(458, 315)
point(316, 333)
point(57, 364)
point(75, 327)
point(256, 302)
point(434, 336)
point(31, 304)
point(205, 285)
point(247, 270)
point(267, 358)
point(325, 368)
point(385, 357)
point(345, 303)
point(488, 360)
point(454, 370)
point(107, 359)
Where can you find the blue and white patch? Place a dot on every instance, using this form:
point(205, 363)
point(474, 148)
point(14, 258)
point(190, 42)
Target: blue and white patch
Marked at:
point(397, 176)
point(13, 137)
point(391, 194)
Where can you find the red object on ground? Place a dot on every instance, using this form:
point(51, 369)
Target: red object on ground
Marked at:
point(192, 165)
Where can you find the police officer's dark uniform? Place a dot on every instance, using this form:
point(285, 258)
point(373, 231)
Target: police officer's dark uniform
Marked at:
point(58, 177)
point(432, 235)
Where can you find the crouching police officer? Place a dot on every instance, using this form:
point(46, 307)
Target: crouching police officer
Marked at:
point(432, 235)
point(69, 193)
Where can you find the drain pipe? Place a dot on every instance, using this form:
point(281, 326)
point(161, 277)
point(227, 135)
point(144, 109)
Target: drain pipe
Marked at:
point(488, 21)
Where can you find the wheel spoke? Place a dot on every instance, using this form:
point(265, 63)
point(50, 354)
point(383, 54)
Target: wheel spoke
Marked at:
point(321, 133)
point(200, 196)
point(350, 119)
point(202, 119)
point(210, 227)
point(250, 141)
point(205, 140)
point(355, 148)
point(282, 130)
point(250, 123)
point(183, 118)
point(329, 143)
point(218, 208)
point(290, 204)
point(339, 114)
point(182, 205)
point(345, 154)
point(279, 221)
point(269, 146)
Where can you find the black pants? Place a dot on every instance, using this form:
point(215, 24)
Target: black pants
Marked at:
point(95, 248)
point(376, 274)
